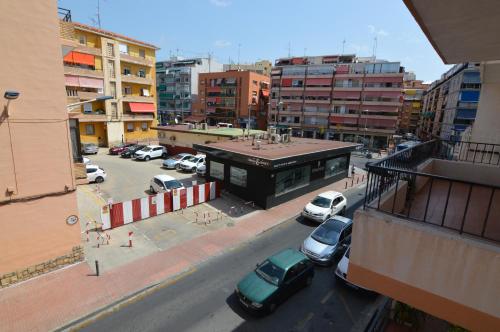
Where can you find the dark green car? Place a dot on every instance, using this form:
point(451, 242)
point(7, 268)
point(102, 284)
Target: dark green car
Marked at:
point(274, 280)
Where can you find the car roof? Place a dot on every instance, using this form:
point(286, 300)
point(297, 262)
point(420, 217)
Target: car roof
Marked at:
point(164, 177)
point(287, 258)
point(330, 194)
point(338, 222)
point(154, 146)
point(91, 166)
point(184, 154)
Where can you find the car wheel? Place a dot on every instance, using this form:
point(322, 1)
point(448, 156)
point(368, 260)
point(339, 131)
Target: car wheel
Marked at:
point(151, 189)
point(309, 280)
point(342, 213)
point(147, 158)
point(164, 155)
point(99, 179)
point(178, 167)
point(193, 169)
point(271, 308)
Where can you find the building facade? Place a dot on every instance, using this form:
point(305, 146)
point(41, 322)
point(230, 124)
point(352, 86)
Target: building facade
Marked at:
point(38, 203)
point(177, 86)
point(409, 117)
point(100, 62)
point(450, 103)
point(344, 97)
point(234, 97)
point(260, 67)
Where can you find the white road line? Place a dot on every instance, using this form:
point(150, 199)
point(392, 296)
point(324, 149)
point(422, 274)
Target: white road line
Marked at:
point(327, 297)
point(301, 324)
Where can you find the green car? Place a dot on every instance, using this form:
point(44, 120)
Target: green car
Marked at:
point(274, 280)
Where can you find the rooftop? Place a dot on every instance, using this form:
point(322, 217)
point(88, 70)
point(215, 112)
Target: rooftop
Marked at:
point(273, 151)
point(226, 132)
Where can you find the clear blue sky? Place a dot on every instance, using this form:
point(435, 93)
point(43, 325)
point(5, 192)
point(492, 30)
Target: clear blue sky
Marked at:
point(265, 28)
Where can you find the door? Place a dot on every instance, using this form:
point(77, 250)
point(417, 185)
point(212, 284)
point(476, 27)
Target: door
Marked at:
point(335, 205)
point(158, 186)
point(156, 152)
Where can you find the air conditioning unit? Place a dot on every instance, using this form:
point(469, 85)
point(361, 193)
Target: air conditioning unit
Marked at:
point(190, 126)
point(273, 131)
point(204, 126)
point(285, 138)
point(275, 138)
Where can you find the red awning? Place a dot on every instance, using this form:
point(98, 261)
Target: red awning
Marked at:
point(80, 58)
point(142, 107)
point(265, 93)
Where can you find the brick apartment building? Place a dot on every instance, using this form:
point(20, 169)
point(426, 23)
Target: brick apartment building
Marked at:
point(413, 92)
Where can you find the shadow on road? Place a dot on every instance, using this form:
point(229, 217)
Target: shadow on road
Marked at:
point(306, 222)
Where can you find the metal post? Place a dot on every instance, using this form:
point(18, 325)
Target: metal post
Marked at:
point(446, 204)
point(466, 208)
point(428, 199)
point(488, 212)
point(395, 194)
point(97, 268)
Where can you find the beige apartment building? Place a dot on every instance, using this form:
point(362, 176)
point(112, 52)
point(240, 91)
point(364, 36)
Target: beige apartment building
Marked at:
point(100, 62)
point(38, 208)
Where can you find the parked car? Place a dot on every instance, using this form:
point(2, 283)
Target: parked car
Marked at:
point(162, 183)
point(95, 173)
point(202, 169)
point(342, 268)
point(329, 238)
point(129, 152)
point(150, 152)
point(324, 206)
point(117, 149)
point(89, 148)
point(174, 161)
point(190, 164)
point(274, 280)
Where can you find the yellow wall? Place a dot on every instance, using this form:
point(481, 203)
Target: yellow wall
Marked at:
point(135, 68)
point(133, 50)
point(99, 132)
point(138, 134)
point(136, 88)
point(92, 39)
point(98, 63)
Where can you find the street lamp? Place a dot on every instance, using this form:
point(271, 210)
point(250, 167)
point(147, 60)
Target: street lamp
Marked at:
point(279, 106)
point(366, 119)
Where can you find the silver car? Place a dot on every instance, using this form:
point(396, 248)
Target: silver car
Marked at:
point(327, 239)
point(89, 148)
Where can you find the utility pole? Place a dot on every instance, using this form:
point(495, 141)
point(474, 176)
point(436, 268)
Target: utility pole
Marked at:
point(209, 61)
point(98, 14)
point(289, 49)
point(239, 46)
point(375, 46)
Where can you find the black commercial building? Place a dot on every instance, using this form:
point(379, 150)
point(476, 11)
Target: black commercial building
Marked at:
point(272, 173)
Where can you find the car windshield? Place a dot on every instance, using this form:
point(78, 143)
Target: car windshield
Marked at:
point(193, 159)
point(321, 202)
point(270, 272)
point(146, 149)
point(327, 233)
point(173, 184)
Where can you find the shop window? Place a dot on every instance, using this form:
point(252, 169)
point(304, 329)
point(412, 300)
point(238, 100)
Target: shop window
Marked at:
point(144, 126)
point(216, 170)
point(238, 176)
point(89, 129)
point(130, 127)
point(292, 179)
point(335, 166)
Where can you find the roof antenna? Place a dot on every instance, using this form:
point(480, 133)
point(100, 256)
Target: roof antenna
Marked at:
point(97, 19)
point(289, 49)
point(374, 47)
point(343, 46)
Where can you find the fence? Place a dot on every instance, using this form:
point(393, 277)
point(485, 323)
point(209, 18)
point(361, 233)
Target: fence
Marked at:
point(123, 213)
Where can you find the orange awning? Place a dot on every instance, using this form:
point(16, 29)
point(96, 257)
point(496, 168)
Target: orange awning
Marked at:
point(80, 58)
point(142, 108)
point(265, 93)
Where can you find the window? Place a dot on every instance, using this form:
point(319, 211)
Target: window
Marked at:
point(126, 71)
point(89, 129)
point(238, 176)
point(292, 179)
point(144, 126)
point(142, 53)
point(87, 108)
point(82, 39)
point(91, 170)
point(297, 83)
point(335, 166)
point(130, 127)
point(112, 89)
point(110, 51)
point(216, 170)
point(141, 73)
point(123, 49)
point(145, 92)
point(254, 82)
point(127, 90)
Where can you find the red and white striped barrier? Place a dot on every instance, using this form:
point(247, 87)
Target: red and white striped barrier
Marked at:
point(122, 213)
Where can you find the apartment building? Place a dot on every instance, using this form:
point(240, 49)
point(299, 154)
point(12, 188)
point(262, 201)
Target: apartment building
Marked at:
point(450, 103)
point(38, 203)
point(100, 62)
point(409, 117)
point(177, 86)
point(260, 67)
point(343, 97)
point(234, 97)
point(429, 233)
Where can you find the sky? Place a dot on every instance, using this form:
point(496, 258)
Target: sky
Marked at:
point(268, 29)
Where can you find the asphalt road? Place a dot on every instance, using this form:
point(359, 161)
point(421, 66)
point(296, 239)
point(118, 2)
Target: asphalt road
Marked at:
point(204, 300)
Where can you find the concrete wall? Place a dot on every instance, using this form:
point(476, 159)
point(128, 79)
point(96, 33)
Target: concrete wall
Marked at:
point(485, 174)
point(115, 132)
point(187, 140)
point(435, 270)
point(35, 159)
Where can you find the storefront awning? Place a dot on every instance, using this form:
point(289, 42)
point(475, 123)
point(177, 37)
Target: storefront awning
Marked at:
point(80, 58)
point(142, 107)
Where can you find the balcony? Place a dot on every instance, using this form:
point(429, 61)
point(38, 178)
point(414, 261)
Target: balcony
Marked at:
point(77, 47)
point(69, 70)
point(129, 116)
point(136, 60)
point(88, 117)
point(138, 99)
point(136, 79)
point(428, 234)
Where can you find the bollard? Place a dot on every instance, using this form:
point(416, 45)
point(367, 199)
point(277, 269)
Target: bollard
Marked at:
point(346, 185)
point(130, 239)
point(363, 178)
point(357, 180)
point(352, 182)
point(97, 268)
point(98, 240)
point(87, 231)
point(108, 237)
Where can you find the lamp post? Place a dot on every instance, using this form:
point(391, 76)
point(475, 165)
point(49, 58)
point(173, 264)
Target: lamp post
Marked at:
point(280, 106)
point(366, 119)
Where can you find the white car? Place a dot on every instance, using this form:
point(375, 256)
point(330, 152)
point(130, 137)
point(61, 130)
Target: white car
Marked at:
point(95, 173)
point(151, 152)
point(191, 164)
point(86, 160)
point(164, 183)
point(324, 206)
point(201, 170)
point(342, 267)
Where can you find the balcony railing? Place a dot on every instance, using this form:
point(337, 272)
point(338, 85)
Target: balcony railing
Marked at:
point(402, 185)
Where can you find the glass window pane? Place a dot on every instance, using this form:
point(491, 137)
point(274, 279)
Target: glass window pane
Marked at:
point(217, 170)
point(292, 179)
point(238, 176)
point(335, 166)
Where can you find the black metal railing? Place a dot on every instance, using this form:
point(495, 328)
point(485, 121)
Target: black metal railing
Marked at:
point(64, 14)
point(400, 185)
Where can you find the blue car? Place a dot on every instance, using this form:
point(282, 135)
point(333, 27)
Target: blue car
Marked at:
point(174, 161)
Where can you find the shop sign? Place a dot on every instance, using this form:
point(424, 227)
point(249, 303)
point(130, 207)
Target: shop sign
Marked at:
point(259, 162)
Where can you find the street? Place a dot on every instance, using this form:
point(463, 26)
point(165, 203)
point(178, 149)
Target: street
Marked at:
point(204, 300)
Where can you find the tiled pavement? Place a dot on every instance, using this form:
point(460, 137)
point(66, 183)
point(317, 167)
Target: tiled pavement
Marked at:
point(53, 300)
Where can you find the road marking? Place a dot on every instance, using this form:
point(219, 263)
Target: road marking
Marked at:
point(97, 198)
point(327, 297)
point(301, 324)
point(349, 313)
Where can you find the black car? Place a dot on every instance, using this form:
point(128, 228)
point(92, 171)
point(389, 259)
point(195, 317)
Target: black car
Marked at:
point(129, 151)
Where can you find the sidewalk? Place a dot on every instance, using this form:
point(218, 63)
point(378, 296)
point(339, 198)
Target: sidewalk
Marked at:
point(56, 299)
